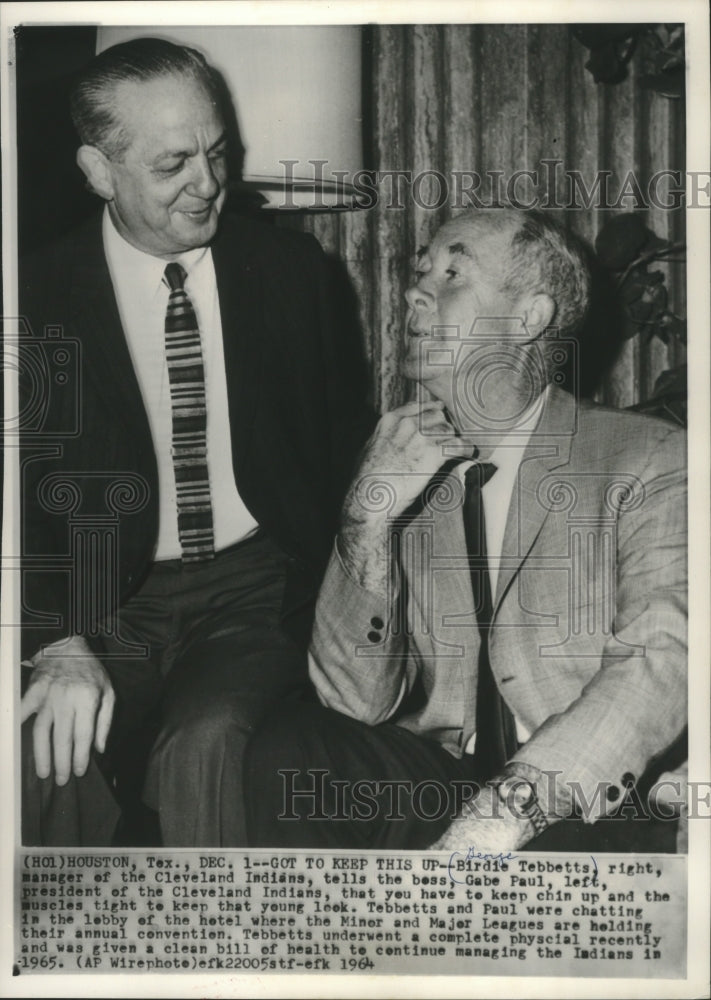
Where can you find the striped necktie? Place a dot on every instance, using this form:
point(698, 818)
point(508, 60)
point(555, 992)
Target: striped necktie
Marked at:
point(186, 374)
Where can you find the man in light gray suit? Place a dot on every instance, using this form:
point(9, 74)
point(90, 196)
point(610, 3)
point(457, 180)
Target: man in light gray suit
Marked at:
point(500, 639)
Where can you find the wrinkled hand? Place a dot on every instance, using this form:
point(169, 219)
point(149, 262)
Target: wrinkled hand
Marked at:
point(405, 451)
point(72, 696)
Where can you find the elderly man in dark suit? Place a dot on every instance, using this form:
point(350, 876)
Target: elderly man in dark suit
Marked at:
point(181, 488)
point(505, 608)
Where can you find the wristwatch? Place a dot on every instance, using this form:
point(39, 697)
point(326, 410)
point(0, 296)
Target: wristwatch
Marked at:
point(519, 796)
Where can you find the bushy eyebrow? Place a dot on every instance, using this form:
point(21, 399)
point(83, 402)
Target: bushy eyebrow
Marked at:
point(461, 249)
point(455, 249)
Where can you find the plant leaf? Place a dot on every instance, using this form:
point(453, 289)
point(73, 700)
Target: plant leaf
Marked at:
point(595, 36)
point(669, 83)
point(620, 240)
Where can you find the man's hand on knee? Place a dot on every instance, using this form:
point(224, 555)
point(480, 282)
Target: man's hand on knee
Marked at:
point(72, 697)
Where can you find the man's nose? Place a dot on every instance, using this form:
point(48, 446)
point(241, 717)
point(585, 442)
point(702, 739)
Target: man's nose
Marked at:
point(418, 297)
point(204, 182)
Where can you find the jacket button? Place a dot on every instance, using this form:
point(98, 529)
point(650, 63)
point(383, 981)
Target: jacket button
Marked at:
point(377, 622)
point(374, 637)
point(613, 793)
point(628, 779)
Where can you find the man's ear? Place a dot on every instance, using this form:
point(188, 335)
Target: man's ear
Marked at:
point(97, 169)
point(539, 312)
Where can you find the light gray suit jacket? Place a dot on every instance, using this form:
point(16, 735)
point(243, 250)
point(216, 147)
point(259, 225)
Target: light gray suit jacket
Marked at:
point(588, 640)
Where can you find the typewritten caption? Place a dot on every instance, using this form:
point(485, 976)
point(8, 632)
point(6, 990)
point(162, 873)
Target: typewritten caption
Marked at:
point(172, 911)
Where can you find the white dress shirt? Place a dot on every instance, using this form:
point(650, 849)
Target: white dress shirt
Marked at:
point(142, 298)
point(496, 496)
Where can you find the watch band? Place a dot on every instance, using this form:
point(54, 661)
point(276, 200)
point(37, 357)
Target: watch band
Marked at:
point(530, 807)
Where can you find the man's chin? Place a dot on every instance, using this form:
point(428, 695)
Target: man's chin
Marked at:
point(415, 364)
point(199, 228)
point(435, 382)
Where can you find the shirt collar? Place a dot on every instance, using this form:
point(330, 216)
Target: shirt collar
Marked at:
point(509, 451)
point(143, 270)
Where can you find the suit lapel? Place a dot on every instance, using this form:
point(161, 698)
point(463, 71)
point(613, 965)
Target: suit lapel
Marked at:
point(98, 326)
point(548, 449)
point(440, 569)
point(240, 291)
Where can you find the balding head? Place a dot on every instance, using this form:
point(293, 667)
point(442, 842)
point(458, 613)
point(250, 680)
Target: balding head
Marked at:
point(545, 258)
point(534, 254)
point(93, 103)
point(491, 288)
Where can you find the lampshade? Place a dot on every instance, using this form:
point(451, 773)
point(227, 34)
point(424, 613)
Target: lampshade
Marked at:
point(297, 97)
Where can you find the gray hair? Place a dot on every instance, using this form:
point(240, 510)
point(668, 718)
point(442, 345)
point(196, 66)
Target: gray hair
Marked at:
point(92, 100)
point(546, 258)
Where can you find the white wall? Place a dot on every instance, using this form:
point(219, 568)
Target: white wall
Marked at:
point(296, 90)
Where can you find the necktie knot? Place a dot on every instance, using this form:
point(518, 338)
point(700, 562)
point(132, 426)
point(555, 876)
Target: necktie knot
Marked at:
point(174, 276)
point(479, 474)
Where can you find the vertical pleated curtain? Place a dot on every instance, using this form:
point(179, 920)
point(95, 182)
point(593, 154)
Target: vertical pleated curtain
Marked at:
point(495, 98)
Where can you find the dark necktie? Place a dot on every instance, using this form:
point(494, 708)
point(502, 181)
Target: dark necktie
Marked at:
point(495, 727)
point(189, 442)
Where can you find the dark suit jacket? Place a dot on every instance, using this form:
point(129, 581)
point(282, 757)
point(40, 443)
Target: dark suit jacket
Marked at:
point(87, 458)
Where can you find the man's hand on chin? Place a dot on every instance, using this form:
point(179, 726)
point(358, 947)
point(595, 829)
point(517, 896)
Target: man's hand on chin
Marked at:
point(409, 445)
point(72, 697)
point(487, 827)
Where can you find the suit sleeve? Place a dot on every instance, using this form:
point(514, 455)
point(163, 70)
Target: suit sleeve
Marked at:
point(635, 706)
point(44, 592)
point(359, 660)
